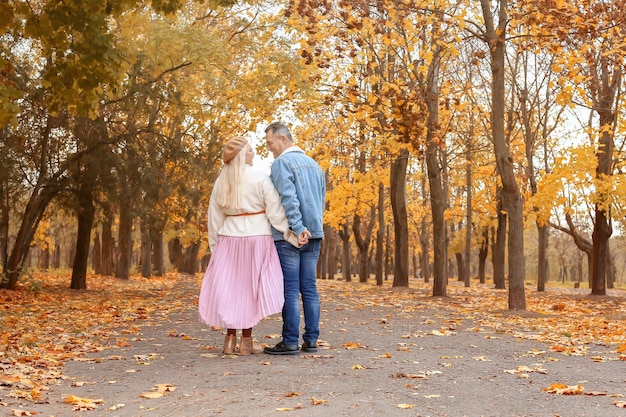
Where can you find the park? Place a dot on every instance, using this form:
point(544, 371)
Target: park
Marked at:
point(473, 252)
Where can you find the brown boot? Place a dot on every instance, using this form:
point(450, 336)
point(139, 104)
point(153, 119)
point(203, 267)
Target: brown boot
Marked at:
point(229, 344)
point(248, 346)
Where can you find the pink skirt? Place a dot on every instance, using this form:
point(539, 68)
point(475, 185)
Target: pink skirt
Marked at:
point(242, 284)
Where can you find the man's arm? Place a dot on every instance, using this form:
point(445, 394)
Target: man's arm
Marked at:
point(284, 181)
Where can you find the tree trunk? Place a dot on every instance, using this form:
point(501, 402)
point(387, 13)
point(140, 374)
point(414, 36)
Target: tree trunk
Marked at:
point(108, 246)
point(380, 234)
point(542, 255)
point(44, 191)
point(424, 238)
point(158, 260)
point(346, 262)
point(175, 250)
point(460, 265)
point(4, 223)
point(483, 251)
point(44, 261)
point(438, 198)
point(498, 248)
point(146, 250)
point(437, 205)
point(85, 215)
point(56, 257)
point(97, 254)
point(190, 265)
point(333, 257)
point(400, 221)
point(327, 270)
point(388, 259)
point(511, 196)
point(125, 237)
point(602, 231)
point(468, 209)
point(322, 263)
point(363, 240)
point(33, 213)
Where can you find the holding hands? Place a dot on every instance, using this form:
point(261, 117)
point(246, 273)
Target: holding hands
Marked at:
point(303, 238)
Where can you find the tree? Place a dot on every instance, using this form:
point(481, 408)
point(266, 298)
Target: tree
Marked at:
point(590, 62)
point(494, 35)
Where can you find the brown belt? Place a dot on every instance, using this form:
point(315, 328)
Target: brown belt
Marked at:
point(248, 214)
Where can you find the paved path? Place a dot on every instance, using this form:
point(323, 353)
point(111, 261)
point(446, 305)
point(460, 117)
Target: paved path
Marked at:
point(380, 355)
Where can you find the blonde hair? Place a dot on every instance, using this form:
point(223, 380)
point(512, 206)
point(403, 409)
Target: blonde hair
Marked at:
point(227, 187)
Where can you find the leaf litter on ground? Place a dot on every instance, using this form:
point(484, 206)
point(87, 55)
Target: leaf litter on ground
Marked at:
point(46, 327)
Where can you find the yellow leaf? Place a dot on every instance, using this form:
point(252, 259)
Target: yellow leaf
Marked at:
point(165, 387)
point(405, 406)
point(152, 394)
point(562, 389)
point(357, 366)
point(317, 401)
point(17, 412)
point(72, 399)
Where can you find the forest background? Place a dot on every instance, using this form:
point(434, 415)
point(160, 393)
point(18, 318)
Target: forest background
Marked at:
point(466, 139)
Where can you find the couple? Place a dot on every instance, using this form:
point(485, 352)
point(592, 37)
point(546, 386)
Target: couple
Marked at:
point(265, 235)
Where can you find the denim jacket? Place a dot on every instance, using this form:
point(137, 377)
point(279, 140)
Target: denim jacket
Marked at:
point(302, 188)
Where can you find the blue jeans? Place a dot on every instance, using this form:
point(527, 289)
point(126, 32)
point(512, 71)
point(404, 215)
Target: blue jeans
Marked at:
point(298, 265)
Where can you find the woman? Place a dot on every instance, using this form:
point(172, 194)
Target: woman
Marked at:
point(243, 282)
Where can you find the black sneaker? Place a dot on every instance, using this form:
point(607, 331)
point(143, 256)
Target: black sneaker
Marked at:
point(309, 347)
point(282, 349)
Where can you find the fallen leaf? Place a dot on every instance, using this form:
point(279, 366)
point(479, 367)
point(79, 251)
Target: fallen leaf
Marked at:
point(357, 366)
point(317, 401)
point(562, 389)
point(165, 387)
point(405, 406)
point(410, 376)
point(352, 345)
point(17, 412)
point(82, 404)
point(152, 394)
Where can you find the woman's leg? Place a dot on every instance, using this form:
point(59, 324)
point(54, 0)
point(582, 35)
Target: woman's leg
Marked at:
point(230, 341)
point(247, 345)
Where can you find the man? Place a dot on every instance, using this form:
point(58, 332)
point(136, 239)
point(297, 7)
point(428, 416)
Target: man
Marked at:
point(302, 188)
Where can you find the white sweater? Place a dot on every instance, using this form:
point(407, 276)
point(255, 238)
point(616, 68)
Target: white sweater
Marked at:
point(258, 196)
